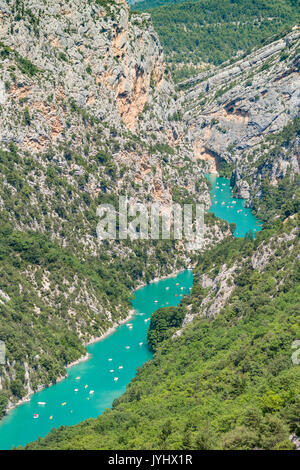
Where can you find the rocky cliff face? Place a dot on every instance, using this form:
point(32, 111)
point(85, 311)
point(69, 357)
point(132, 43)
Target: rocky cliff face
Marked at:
point(86, 51)
point(86, 115)
point(231, 113)
point(82, 77)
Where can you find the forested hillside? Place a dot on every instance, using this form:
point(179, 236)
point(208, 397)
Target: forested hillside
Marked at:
point(222, 376)
point(228, 381)
point(89, 112)
point(78, 129)
point(199, 32)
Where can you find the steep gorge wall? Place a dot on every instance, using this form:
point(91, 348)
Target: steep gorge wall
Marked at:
point(85, 105)
point(232, 112)
point(87, 52)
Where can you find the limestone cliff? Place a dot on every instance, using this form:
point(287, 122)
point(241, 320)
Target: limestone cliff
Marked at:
point(231, 112)
point(82, 77)
point(89, 113)
point(85, 106)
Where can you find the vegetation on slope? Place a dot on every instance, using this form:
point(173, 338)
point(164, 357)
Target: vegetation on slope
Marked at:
point(194, 32)
point(227, 382)
point(274, 203)
point(59, 287)
point(54, 295)
point(164, 322)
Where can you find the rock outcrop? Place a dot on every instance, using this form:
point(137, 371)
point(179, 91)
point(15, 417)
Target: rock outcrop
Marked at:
point(218, 288)
point(231, 112)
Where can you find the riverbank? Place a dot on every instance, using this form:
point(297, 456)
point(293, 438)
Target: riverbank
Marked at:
point(91, 386)
point(11, 405)
point(226, 206)
point(109, 331)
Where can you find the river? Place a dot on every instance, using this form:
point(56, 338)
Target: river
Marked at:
point(91, 386)
point(231, 209)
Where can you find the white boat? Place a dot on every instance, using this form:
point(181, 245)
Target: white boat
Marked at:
point(42, 403)
point(155, 301)
point(75, 389)
point(141, 343)
point(92, 392)
point(110, 359)
point(120, 367)
point(116, 379)
point(111, 370)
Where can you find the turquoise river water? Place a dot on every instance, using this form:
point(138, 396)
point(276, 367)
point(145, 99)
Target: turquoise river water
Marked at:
point(116, 356)
point(231, 209)
point(91, 386)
